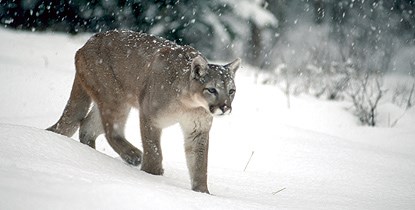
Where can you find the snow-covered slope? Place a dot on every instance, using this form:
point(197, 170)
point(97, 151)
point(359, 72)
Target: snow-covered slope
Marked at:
point(312, 156)
point(43, 170)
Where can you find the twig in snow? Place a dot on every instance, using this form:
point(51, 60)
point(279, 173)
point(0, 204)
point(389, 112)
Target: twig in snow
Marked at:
point(274, 193)
point(249, 160)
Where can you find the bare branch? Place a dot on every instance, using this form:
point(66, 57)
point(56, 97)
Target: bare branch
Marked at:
point(366, 93)
point(409, 102)
point(274, 193)
point(246, 166)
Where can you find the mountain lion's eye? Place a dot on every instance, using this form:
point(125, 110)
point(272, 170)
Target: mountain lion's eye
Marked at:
point(232, 91)
point(212, 90)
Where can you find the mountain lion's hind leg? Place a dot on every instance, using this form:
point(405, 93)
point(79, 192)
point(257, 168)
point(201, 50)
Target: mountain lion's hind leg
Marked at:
point(91, 127)
point(114, 117)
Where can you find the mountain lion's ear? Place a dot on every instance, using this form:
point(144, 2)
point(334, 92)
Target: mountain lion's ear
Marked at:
point(199, 67)
point(234, 65)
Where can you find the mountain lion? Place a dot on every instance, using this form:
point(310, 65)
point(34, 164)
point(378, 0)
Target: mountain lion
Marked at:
point(168, 83)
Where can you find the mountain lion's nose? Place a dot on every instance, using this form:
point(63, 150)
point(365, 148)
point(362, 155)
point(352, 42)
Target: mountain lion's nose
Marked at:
point(225, 109)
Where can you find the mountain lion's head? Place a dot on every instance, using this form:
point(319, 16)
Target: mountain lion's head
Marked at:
point(214, 85)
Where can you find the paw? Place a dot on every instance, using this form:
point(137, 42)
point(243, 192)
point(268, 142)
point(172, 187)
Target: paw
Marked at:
point(152, 170)
point(202, 189)
point(132, 156)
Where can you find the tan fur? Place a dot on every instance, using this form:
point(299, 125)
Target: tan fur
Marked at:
point(168, 83)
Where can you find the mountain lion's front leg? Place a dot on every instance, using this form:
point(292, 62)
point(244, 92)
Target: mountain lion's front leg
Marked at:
point(150, 138)
point(196, 149)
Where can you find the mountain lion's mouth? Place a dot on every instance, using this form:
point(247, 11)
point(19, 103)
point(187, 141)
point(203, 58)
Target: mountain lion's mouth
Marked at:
point(220, 111)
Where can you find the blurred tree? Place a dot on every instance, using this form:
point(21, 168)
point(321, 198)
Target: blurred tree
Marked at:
point(220, 29)
point(226, 28)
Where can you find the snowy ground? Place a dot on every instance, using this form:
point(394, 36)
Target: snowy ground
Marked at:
point(312, 156)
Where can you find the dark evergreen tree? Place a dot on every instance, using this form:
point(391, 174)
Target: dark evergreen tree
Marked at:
point(218, 28)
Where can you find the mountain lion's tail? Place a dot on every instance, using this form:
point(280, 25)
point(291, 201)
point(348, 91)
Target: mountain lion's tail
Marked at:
point(75, 111)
